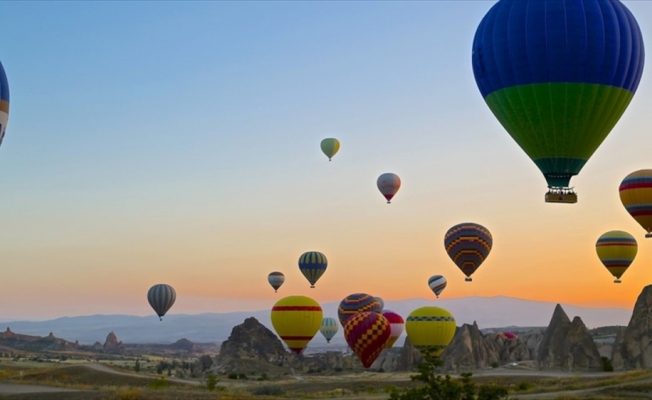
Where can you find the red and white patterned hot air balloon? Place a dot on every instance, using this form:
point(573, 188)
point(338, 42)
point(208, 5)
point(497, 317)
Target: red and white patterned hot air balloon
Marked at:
point(388, 184)
point(397, 325)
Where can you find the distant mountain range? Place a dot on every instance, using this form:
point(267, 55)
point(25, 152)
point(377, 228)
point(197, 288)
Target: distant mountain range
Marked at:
point(488, 312)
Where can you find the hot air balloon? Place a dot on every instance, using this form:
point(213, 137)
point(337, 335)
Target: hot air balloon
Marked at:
point(381, 302)
point(355, 303)
point(397, 324)
point(276, 279)
point(468, 245)
point(367, 334)
point(437, 284)
point(616, 250)
point(296, 319)
point(636, 196)
point(313, 265)
point(161, 297)
point(507, 335)
point(328, 328)
point(388, 184)
point(558, 75)
point(430, 329)
point(4, 102)
point(330, 147)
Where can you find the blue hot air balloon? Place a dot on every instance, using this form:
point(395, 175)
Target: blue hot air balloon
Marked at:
point(558, 75)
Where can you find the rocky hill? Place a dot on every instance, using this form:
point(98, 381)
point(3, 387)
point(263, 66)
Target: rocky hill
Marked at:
point(632, 348)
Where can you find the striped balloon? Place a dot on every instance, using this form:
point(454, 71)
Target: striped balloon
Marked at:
point(328, 328)
point(437, 284)
point(397, 324)
point(430, 329)
point(355, 303)
point(276, 279)
point(4, 102)
point(636, 195)
point(468, 245)
point(161, 297)
point(388, 184)
point(313, 265)
point(296, 319)
point(616, 250)
point(367, 334)
point(381, 302)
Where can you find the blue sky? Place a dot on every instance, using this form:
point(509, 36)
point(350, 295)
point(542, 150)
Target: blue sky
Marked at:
point(179, 142)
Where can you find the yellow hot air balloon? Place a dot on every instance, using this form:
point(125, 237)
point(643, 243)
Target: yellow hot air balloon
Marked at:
point(296, 319)
point(430, 329)
point(616, 250)
point(330, 147)
point(636, 195)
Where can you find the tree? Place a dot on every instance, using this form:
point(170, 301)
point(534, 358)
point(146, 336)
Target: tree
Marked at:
point(211, 382)
point(437, 387)
point(137, 366)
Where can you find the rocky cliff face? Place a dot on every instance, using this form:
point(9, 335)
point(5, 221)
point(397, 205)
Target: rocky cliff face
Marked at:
point(252, 340)
point(112, 345)
point(567, 345)
point(632, 348)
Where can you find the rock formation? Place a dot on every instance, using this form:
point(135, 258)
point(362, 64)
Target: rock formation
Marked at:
point(567, 345)
point(112, 345)
point(252, 339)
point(632, 348)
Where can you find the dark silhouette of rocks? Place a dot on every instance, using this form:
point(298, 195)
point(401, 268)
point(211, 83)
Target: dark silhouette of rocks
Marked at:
point(112, 345)
point(252, 339)
point(567, 345)
point(632, 347)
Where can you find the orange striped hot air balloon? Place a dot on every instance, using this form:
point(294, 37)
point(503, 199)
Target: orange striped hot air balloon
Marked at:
point(367, 333)
point(296, 319)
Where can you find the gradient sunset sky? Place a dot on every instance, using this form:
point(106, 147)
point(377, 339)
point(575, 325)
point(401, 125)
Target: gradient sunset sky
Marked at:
point(178, 142)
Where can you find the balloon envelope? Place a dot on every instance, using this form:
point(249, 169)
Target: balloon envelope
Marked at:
point(381, 302)
point(367, 333)
point(313, 264)
point(388, 184)
point(397, 325)
point(430, 329)
point(4, 102)
point(616, 250)
point(636, 195)
point(468, 245)
point(558, 75)
point(330, 147)
point(437, 283)
point(276, 279)
point(161, 297)
point(296, 319)
point(355, 303)
point(329, 328)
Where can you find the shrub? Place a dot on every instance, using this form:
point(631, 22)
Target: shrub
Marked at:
point(606, 364)
point(211, 382)
point(522, 386)
point(242, 375)
point(233, 375)
point(268, 391)
point(159, 383)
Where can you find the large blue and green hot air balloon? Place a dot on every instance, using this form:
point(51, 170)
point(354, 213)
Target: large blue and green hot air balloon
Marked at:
point(558, 75)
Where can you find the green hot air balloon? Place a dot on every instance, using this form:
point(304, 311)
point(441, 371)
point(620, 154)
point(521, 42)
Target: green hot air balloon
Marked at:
point(558, 75)
point(330, 147)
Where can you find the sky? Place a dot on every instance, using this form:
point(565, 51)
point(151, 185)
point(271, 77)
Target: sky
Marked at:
point(178, 142)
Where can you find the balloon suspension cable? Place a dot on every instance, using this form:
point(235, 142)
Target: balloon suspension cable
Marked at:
point(160, 318)
point(468, 279)
point(329, 159)
point(389, 202)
